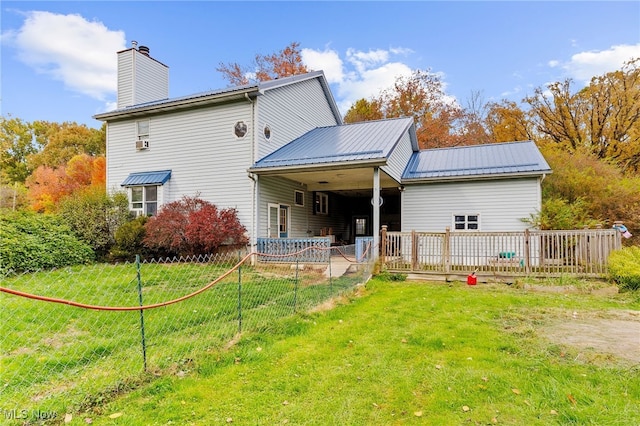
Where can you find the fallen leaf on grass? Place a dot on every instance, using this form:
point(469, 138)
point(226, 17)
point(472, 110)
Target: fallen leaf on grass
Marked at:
point(259, 349)
point(494, 420)
point(404, 340)
point(67, 418)
point(485, 379)
point(465, 408)
point(88, 421)
point(418, 414)
point(516, 391)
point(229, 420)
point(285, 402)
point(438, 366)
point(553, 412)
point(115, 415)
point(572, 399)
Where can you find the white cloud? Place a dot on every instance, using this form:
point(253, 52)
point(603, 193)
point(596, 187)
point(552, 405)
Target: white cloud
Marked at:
point(360, 75)
point(81, 54)
point(585, 65)
point(327, 60)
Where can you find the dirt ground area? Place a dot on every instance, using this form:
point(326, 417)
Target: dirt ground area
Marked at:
point(607, 332)
point(610, 332)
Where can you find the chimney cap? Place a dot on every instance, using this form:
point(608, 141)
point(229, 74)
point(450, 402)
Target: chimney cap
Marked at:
point(134, 44)
point(144, 50)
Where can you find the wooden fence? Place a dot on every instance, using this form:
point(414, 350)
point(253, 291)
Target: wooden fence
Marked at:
point(534, 253)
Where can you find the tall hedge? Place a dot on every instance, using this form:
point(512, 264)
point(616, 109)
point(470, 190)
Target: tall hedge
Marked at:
point(32, 241)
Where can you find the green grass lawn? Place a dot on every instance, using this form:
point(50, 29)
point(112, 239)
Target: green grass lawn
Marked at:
point(400, 353)
point(57, 358)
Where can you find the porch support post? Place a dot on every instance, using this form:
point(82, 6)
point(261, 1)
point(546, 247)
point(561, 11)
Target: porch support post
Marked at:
point(376, 212)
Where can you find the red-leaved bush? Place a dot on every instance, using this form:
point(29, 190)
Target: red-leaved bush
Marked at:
point(193, 226)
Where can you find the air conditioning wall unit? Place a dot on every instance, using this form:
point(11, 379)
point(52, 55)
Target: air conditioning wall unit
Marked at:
point(142, 144)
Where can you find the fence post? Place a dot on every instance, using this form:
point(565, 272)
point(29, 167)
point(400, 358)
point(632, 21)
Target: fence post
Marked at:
point(239, 294)
point(527, 254)
point(447, 250)
point(144, 343)
point(414, 250)
point(330, 277)
point(383, 244)
point(295, 289)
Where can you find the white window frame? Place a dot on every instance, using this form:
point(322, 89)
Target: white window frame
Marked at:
point(279, 220)
point(141, 207)
point(467, 222)
point(142, 135)
point(321, 205)
point(297, 194)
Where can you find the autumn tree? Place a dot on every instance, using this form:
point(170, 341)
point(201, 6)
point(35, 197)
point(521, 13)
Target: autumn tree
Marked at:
point(603, 118)
point(584, 190)
point(47, 186)
point(284, 63)
point(507, 122)
point(62, 141)
point(421, 96)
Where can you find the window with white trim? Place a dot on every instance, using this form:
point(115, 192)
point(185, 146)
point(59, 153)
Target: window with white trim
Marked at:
point(144, 200)
point(322, 203)
point(466, 222)
point(299, 198)
point(143, 129)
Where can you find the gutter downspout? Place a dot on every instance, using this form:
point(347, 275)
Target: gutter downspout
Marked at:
point(253, 239)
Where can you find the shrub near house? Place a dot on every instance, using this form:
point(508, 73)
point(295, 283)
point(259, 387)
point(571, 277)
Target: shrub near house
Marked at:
point(32, 241)
point(192, 226)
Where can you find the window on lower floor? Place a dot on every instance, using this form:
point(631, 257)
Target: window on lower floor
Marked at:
point(144, 200)
point(322, 203)
point(466, 222)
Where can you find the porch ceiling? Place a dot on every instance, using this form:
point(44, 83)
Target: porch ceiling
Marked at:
point(354, 181)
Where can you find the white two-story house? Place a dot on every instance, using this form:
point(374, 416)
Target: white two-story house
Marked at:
point(279, 153)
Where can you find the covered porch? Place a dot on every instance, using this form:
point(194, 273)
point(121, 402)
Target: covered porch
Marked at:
point(340, 183)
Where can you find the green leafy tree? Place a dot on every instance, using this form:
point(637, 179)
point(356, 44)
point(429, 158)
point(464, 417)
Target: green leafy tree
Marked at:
point(95, 217)
point(62, 141)
point(17, 143)
point(597, 191)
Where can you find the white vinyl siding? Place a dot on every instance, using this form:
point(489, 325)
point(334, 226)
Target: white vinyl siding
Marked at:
point(276, 190)
point(399, 158)
point(140, 79)
point(500, 204)
point(200, 149)
point(291, 111)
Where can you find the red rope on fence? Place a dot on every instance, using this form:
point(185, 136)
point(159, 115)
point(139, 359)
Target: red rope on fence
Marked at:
point(124, 308)
point(156, 305)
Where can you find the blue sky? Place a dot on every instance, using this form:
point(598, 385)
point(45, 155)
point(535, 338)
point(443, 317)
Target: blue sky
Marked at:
point(59, 58)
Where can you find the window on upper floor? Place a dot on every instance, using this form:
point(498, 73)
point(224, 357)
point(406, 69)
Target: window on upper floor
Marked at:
point(142, 130)
point(240, 129)
point(298, 198)
point(466, 222)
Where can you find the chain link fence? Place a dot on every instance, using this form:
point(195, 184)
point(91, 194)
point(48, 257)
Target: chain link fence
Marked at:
point(71, 334)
